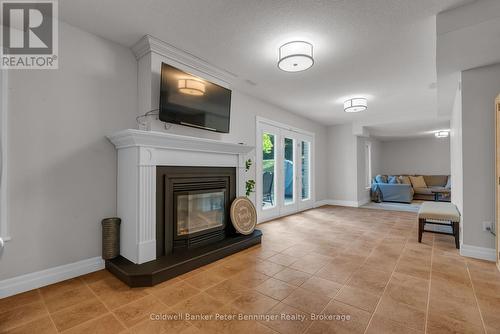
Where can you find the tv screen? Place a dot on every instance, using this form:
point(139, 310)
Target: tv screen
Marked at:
point(189, 100)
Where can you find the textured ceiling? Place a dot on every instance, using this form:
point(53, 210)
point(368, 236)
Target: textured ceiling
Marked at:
point(384, 49)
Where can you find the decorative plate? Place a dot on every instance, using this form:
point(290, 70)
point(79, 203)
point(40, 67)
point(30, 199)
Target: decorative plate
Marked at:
point(243, 215)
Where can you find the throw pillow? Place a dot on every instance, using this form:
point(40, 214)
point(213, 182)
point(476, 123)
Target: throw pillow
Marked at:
point(404, 179)
point(448, 183)
point(418, 181)
point(392, 179)
point(381, 179)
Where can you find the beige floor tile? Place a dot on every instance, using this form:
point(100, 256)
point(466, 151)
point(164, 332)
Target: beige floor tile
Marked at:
point(204, 280)
point(338, 273)
point(176, 293)
point(135, 312)
point(307, 301)
point(401, 313)
point(322, 286)
point(381, 325)
point(201, 303)
point(292, 276)
point(107, 324)
point(57, 288)
point(250, 278)
point(283, 259)
point(164, 326)
point(357, 322)
point(253, 302)
point(42, 325)
point(226, 291)
point(276, 289)
point(371, 280)
point(21, 299)
point(358, 298)
point(78, 314)
point(268, 268)
point(440, 324)
point(287, 320)
point(67, 298)
point(22, 314)
point(367, 260)
point(408, 290)
point(96, 276)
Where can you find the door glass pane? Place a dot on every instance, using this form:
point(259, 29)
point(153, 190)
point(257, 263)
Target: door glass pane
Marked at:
point(306, 174)
point(289, 171)
point(268, 171)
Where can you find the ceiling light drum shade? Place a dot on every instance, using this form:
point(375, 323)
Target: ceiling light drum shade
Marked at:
point(191, 87)
point(357, 104)
point(295, 56)
point(442, 134)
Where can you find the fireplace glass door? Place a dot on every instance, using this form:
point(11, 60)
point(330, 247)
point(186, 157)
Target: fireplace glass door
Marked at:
point(198, 211)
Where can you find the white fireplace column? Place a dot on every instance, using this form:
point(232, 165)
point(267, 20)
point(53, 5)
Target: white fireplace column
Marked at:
point(139, 153)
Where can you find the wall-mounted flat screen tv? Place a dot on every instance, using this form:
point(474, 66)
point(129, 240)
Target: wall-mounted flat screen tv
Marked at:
point(189, 100)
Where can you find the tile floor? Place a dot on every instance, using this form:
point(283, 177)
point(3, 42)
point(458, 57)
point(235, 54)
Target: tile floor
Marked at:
point(332, 261)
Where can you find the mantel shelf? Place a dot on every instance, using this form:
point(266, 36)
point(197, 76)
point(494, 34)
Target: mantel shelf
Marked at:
point(131, 137)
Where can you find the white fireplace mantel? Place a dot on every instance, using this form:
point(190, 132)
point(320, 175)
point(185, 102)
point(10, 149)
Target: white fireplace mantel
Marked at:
point(139, 153)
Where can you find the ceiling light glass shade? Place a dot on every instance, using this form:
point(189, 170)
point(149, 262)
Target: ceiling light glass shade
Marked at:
point(356, 105)
point(191, 87)
point(442, 134)
point(295, 56)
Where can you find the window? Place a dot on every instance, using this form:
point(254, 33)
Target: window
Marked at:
point(368, 164)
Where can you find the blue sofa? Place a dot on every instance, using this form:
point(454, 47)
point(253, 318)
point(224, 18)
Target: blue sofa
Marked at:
point(393, 192)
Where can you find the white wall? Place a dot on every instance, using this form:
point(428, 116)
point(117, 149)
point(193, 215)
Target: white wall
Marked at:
point(342, 160)
point(62, 179)
point(480, 86)
point(62, 169)
point(426, 156)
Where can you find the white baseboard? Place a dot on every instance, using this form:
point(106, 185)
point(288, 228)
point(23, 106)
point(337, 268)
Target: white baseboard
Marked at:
point(337, 202)
point(15, 285)
point(321, 203)
point(476, 252)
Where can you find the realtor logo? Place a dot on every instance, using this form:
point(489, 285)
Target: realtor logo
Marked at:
point(29, 34)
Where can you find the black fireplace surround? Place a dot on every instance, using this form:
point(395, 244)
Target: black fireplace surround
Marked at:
point(173, 182)
point(193, 225)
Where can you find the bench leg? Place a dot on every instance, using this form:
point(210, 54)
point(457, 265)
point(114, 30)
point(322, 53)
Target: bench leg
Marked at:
point(456, 233)
point(421, 224)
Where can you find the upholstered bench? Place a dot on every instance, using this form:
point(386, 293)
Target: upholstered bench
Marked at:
point(439, 213)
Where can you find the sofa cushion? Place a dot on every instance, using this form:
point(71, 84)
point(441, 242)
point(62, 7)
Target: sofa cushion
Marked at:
point(435, 180)
point(439, 211)
point(418, 182)
point(392, 180)
point(422, 191)
point(404, 179)
point(381, 179)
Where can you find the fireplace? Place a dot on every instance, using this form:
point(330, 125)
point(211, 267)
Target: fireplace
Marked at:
point(173, 196)
point(193, 206)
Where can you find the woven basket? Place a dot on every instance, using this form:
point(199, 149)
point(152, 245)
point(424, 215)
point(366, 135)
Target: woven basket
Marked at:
point(110, 238)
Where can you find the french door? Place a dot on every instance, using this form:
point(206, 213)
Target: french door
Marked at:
point(284, 171)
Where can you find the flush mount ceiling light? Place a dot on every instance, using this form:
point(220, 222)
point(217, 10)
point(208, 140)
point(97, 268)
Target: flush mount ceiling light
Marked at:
point(295, 56)
point(442, 134)
point(356, 104)
point(191, 87)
